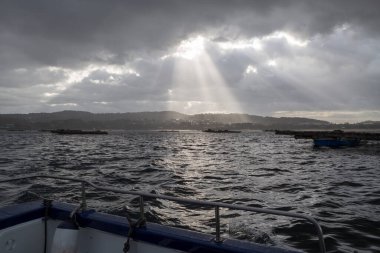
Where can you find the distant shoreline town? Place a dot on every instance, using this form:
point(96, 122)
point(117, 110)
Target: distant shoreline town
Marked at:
point(166, 120)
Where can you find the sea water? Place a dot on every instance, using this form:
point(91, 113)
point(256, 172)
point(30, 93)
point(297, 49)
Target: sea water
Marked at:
point(338, 187)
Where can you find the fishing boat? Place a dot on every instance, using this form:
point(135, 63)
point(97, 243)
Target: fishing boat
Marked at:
point(56, 227)
point(336, 142)
point(71, 131)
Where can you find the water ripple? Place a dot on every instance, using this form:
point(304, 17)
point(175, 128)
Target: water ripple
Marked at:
point(339, 187)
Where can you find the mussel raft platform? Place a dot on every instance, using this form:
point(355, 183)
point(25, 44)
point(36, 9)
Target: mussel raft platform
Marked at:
point(71, 131)
point(336, 138)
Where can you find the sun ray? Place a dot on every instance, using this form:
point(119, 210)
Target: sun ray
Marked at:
point(197, 83)
point(196, 75)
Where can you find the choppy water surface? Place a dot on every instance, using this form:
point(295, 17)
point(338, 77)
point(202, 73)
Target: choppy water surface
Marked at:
point(339, 187)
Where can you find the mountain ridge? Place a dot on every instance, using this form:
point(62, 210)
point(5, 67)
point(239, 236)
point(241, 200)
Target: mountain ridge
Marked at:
point(161, 120)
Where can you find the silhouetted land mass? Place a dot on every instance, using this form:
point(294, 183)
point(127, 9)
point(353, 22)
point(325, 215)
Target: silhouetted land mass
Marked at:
point(165, 120)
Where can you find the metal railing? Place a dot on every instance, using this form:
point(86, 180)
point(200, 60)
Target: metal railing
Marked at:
point(215, 205)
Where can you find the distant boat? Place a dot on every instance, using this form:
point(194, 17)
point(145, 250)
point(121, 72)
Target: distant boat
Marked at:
point(70, 131)
point(336, 142)
point(220, 131)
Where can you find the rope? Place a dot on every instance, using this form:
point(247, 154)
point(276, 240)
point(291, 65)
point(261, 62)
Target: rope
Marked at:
point(132, 227)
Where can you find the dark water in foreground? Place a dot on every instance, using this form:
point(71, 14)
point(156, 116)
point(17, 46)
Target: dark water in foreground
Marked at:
point(339, 187)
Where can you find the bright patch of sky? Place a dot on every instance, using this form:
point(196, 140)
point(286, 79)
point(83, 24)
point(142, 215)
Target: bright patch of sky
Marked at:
point(251, 69)
point(188, 49)
point(272, 63)
point(292, 40)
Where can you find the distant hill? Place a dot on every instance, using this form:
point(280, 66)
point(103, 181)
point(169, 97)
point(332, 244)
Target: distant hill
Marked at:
point(162, 120)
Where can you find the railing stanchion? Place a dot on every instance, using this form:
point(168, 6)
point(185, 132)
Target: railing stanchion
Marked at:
point(217, 225)
point(84, 204)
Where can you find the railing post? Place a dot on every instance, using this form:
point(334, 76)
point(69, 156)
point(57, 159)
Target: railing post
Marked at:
point(83, 204)
point(322, 245)
point(217, 225)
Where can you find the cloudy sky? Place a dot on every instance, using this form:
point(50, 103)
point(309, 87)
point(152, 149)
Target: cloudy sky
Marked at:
point(318, 59)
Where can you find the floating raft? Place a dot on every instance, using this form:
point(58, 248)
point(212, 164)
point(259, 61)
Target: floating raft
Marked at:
point(69, 131)
point(220, 131)
point(336, 134)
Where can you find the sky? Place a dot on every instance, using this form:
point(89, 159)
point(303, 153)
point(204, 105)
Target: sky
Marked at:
point(282, 58)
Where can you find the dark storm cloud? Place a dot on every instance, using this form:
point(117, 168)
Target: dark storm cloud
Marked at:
point(77, 38)
point(69, 32)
